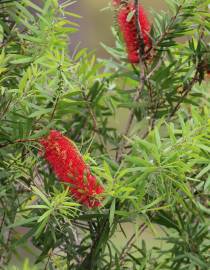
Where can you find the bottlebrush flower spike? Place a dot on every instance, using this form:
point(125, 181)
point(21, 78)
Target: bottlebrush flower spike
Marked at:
point(130, 33)
point(69, 167)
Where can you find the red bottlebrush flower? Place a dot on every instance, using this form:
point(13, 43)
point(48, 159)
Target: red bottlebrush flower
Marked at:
point(130, 33)
point(69, 167)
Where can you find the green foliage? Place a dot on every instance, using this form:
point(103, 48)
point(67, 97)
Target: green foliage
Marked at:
point(26, 266)
point(144, 130)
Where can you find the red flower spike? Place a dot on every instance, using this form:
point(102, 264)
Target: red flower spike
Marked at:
point(129, 31)
point(69, 166)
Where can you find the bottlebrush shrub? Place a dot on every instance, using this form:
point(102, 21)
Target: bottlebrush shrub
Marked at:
point(142, 131)
point(69, 166)
point(128, 27)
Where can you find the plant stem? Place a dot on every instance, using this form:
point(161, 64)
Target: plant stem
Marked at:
point(95, 123)
point(185, 93)
point(18, 141)
point(120, 151)
point(140, 88)
point(90, 261)
point(58, 92)
point(129, 243)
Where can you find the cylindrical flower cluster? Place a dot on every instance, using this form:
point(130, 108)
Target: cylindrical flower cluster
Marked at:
point(129, 30)
point(69, 166)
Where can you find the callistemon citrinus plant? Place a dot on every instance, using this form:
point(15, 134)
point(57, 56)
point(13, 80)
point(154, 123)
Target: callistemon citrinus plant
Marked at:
point(69, 166)
point(136, 193)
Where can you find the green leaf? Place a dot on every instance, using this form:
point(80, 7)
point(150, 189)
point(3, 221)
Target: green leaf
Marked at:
point(41, 227)
point(46, 215)
point(40, 112)
point(203, 171)
point(157, 138)
point(22, 222)
point(21, 60)
point(41, 195)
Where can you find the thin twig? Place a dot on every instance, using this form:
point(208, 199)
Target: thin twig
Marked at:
point(5, 109)
point(2, 221)
point(121, 148)
point(129, 243)
point(58, 92)
point(88, 260)
point(48, 260)
point(186, 91)
point(17, 141)
point(93, 116)
point(154, 69)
